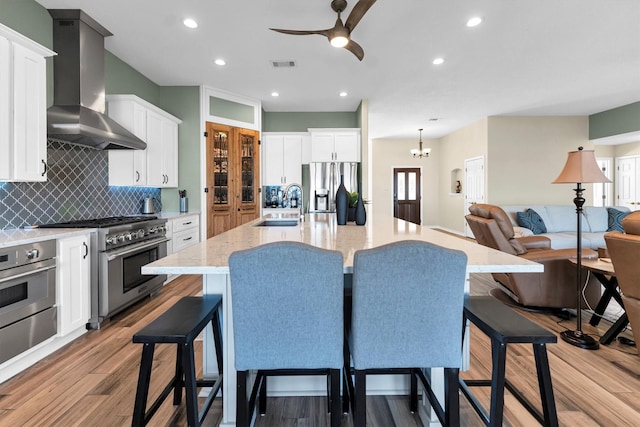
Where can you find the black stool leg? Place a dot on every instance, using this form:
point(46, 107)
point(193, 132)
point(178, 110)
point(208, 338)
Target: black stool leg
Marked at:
point(179, 378)
point(336, 401)
point(546, 388)
point(413, 391)
point(262, 396)
point(144, 378)
point(360, 410)
point(452, 397)
point(242, 404)
point(217, 339)
point(190, 384)
point(499, 356)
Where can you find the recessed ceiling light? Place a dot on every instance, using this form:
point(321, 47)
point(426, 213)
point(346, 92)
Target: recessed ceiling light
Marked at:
point(475, 21)
point(343, 94)
point(220, 62)
point(188, 22)
point(438, 61)
point(275, 94)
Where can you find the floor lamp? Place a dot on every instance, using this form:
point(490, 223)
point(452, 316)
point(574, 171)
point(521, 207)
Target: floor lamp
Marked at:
point(581, 167)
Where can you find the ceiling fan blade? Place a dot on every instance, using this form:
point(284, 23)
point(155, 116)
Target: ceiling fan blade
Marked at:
point(357, 13)
point(302, 32)
point(355, 48)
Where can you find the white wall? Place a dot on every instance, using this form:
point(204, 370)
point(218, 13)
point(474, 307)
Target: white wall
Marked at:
point(465, 143)
point(389, 153)
point(527, 153)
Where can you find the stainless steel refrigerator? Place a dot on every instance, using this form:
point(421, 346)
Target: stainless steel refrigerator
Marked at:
point(324, 180)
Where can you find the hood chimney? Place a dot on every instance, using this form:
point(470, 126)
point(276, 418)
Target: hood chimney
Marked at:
point(77, 115)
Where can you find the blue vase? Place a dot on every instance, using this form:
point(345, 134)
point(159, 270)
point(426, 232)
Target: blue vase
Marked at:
point(342, 202)
point(361, 213)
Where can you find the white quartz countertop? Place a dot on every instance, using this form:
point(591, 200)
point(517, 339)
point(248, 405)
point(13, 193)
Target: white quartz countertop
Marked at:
point(321, 230)
point(19, 236)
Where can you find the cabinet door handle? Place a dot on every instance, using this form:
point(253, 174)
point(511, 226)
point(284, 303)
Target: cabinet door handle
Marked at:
point(188, 238)
point(137, 176)
point(186, 223)
point(44, 168)
point(86, 250)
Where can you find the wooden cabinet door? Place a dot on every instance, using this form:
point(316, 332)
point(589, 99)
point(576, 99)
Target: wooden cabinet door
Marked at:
point(272, 159)
point(73, 276)
point(322, 147)
point(170, 153)
point(218, 153)
point(6, 144)
point(29, 115)
point(292, 159)
point(346, 146)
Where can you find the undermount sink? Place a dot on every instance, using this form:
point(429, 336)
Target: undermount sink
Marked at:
point(277, 223)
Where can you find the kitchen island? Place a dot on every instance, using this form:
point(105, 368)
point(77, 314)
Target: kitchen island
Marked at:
point(210, 258)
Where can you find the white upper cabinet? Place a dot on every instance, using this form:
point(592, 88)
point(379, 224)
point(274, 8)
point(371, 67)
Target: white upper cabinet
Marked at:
point(281, 159)
point(335, 145)
point(157, 166)
point(23, 108)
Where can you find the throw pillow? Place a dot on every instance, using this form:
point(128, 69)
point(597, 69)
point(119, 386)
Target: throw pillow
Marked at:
point(615, 219)
point(531, 220)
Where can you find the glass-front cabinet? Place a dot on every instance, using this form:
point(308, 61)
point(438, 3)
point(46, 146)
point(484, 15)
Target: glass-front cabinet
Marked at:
point(232, 177)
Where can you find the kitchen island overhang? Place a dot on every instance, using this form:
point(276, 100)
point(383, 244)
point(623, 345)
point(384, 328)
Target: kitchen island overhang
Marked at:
point(210, 258)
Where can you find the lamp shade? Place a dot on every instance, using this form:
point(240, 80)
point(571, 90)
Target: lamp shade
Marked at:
point(581, 167)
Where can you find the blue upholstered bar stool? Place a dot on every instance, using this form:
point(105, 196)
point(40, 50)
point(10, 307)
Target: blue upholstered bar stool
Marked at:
point(287, 304)
point(406, 316)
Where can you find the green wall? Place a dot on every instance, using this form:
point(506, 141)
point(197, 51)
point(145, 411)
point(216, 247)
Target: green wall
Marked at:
point(301, 122)
point(121, 78)
point(184, 102)
point(616, 121)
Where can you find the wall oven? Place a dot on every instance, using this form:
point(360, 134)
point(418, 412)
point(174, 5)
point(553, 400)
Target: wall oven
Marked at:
point(28, 315)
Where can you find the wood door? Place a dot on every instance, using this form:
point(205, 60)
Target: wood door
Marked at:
point(219, 204)
point(246, 175)
point(406, 194)
point(233, 182)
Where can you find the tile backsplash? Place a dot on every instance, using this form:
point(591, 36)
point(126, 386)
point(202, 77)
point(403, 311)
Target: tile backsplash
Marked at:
point(77, 187)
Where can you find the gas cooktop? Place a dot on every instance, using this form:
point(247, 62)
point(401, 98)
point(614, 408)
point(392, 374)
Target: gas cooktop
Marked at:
point(100, 222)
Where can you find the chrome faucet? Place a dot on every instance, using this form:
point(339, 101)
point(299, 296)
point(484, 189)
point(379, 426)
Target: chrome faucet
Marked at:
point(300, 202)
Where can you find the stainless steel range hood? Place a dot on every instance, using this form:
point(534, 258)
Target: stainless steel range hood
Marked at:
point(77, 115)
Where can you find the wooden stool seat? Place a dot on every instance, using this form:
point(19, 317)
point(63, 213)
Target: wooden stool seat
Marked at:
point(505, 326)
point(179, 325)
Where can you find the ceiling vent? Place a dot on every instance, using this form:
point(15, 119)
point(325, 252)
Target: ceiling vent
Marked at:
point(283, 64)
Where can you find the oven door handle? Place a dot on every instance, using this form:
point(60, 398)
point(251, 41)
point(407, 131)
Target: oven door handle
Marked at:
point(111, 255)
point(27, 273)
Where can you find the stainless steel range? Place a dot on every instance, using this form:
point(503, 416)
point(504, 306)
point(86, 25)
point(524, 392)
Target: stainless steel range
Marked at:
point(120, 248)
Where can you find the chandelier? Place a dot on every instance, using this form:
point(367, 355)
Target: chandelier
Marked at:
point(420, 152)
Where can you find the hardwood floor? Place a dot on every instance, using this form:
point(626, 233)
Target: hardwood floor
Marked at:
point(91, 382)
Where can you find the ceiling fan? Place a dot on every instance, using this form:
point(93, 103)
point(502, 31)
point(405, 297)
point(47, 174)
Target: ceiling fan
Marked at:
point(339, 34)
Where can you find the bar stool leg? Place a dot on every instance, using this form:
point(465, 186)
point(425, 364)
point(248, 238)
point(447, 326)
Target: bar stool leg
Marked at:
point(334, 396)
point(190, 384)
point(178, 381)
point(360, 410)
point(499, 356)
point(144, 378)
point(413, 392)
point(546, 388)
point(242, 404)
point(452, 397)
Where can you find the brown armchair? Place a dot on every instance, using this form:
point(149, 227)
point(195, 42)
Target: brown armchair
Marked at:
point(556, 287)
point(624, 250)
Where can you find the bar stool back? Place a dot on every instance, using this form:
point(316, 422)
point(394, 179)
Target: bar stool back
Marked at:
point(287, 304)
point(407, 313)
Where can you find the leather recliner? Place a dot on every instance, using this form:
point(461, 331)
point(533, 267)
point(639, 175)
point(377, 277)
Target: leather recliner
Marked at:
point(556, 286)
point(624, 250)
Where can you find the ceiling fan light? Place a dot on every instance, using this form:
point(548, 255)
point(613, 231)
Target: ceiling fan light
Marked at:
point(339, 41)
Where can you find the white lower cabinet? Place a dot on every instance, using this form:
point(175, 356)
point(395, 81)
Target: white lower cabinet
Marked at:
point(73, 283)
point(184, 231)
